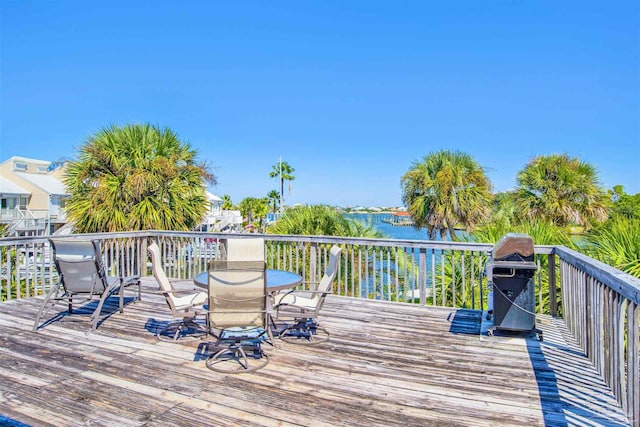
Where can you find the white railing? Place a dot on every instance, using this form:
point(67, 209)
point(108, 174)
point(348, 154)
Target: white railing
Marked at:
point(7, 214)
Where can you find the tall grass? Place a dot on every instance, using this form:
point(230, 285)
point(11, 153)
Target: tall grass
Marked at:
point(616, 243)
point(320, 220)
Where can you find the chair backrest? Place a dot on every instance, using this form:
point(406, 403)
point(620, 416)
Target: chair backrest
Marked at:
point(160, 276)
point(329, 276)
point(250, 249)
point(78, 266)
point(237, 294)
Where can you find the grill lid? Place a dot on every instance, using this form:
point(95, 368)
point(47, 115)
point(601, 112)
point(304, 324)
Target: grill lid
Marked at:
point(513, 247)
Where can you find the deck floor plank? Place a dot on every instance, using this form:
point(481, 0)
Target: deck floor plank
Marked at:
point(386, 364)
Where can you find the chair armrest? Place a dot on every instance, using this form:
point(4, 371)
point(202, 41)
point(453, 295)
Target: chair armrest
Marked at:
point(305, 291)
point(302, 291)
point(311, 282)
point(177, 293)
point(311, 291)
point(185, 282)
point(129, 280)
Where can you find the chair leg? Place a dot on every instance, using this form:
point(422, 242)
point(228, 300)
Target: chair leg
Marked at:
point(187, 328)
point(121, 297)
point(235, 360)
point(271, 324)
point(123, 285)
point(42, 311)
point(96, 314)
point(304, 331)
point(106, 294)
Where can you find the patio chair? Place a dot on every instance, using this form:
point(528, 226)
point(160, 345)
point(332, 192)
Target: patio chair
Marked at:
point(186, 307)
point(250, 249)
point(305, 305)
point(238, 315)
point(82, 278)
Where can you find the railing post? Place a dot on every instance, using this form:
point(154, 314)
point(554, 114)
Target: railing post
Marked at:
point(553, 301)
point(313, 259)
point(143, 243)
point(422, 275)
point(584, 329)
point(632, 402)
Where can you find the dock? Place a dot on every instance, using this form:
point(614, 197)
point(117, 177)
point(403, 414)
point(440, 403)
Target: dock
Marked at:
point(400, 218)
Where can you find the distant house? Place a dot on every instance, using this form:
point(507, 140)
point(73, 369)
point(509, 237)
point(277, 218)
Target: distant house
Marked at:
point(218, 219)
point(12, 196)
point(215, 204)
point(32, 197)
point(13, 201)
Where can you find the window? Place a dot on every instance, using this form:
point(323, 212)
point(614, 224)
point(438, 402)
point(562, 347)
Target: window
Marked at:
point(20, 166)
point(8, 203)
point(43, 169)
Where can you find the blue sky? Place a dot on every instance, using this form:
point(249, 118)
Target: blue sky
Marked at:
point(350, 93)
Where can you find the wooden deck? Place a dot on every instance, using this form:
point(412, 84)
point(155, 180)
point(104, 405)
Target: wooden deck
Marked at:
point(386, 364)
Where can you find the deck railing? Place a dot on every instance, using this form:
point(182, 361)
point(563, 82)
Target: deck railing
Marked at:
point(602, 310)
point(599, 303)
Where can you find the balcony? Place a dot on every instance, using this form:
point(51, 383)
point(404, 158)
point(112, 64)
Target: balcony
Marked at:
point(22, 220)
point(407, 343)
point(31, 221)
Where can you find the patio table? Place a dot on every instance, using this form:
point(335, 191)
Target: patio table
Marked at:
point(277, 280)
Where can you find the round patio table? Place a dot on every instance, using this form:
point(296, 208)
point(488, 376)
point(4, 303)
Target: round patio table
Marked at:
point(277, 280)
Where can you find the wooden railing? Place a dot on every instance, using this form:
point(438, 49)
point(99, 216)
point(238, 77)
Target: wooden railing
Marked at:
point(602, 310)
point(599, 303)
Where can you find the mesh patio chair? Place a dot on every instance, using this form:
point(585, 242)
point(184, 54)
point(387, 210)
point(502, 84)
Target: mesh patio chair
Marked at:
point(250, 249)
point(186, 307)
point(238, 315)
point(81, 279)
point(304, 307)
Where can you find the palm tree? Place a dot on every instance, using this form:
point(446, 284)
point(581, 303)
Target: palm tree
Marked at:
point(284, 171)
point(505, 209)
point(254, 209)
point(136, 177)
point(274, 198)
point(561, 189)
point(227, 204)
point(444, 190)
point(624, 204)
point(320, 220)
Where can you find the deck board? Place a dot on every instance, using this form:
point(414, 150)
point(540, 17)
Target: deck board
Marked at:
point(386, 364)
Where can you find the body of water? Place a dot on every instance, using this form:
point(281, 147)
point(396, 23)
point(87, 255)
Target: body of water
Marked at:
point(392, 231)
point(382, 275)
point(381, 272)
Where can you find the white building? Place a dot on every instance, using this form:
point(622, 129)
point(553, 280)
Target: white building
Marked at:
point(217, 219)
point(32, 196)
